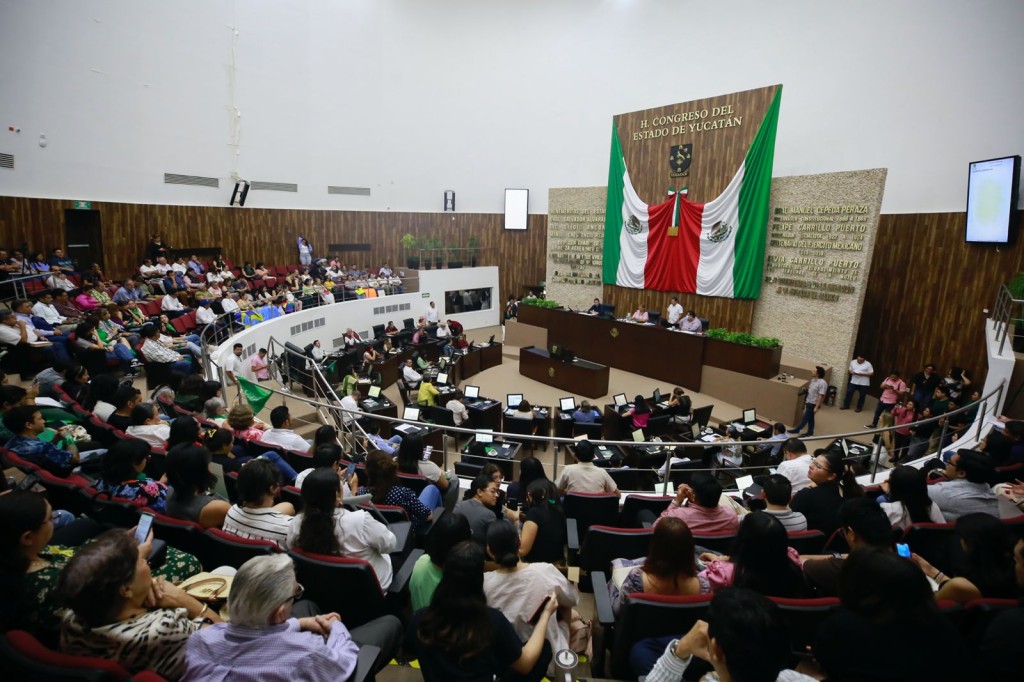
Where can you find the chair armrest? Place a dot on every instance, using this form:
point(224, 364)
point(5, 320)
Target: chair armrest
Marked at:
point(364, 663)
point(602, 599)
point(572, 535)
point(401, 578)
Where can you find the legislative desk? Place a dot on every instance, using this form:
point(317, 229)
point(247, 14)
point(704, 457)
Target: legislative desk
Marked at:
point(541, 422)
point(581, 377)
point(387, 369)
point(484, 413)
point(381, 407)
point(505, 454)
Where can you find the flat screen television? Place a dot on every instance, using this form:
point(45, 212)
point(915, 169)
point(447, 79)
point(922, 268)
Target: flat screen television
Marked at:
point(992, 190)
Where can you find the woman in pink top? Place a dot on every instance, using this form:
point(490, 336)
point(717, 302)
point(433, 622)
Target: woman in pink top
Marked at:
point(243, 423)
point(85, 301)
point(761, 560)
point(892, 389)
point(641, 413)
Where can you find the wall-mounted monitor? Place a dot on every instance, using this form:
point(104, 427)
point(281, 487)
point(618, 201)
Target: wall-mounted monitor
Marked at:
point(992, 189)
point(517, 205)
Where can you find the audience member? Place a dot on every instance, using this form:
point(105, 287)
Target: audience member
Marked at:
point(998, 654)
point(906, 499)
point(544, 534)
point(256, 516)
point(124, 476)
point(987, 569)
point(191, 497)
point(382, 483)
point(670, 567)
point(583, 476)
point(450, 530)
point(761, 560)
point(864, 525)
point(795, 463)
point(777, 493)
point(58, 456)
point(479, 507)
point(699, 507)
point(282, 434)
point(966, 489)
point(833, 481)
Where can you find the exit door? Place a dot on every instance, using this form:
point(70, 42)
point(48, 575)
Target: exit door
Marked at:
point(84, 237)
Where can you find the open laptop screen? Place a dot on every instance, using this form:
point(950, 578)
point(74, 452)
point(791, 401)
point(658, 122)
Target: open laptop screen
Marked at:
point(484, 436)
point(749, 415)
point(619, 399)
point(513, 399)
point(472, 392)
point(373, 392)
point(442, 378)
point(567, 404)
point(411, 414)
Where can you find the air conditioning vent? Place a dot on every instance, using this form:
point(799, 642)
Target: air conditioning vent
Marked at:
point(195, 180)
point(7, 161)
point(274, 186)
point(354, 191)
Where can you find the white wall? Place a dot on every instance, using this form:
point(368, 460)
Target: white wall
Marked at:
point(361, 315)
point(411, 98)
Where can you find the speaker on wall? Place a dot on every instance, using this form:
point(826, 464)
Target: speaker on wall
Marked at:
point(241, 192)
point(449, 200)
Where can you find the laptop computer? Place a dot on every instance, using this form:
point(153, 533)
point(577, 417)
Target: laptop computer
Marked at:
point(694, 430)
point(373, 392)
point(567, 404)
point(471, 392)
point(513, 399)
point(656, 398)
point(490, 340)
point(485, 436)
point(442, 362)
point(620, 400)
point(442, 378)
point(638, 436)
point(411, 414)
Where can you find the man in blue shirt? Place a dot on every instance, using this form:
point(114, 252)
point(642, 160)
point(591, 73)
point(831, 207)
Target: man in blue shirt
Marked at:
point(27, 422)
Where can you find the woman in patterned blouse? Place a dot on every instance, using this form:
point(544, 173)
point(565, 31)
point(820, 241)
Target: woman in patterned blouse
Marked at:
point(382, 483)
point(29, 565)
point(124, 476)
point(107, 586)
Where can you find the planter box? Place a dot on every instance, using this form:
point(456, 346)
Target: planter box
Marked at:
point(757, 362)
point(538, 317)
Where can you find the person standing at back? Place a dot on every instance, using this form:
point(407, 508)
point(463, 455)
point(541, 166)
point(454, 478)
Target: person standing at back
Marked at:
point(860, 380)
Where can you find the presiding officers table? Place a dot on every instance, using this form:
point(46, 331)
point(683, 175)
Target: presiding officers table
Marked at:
point(580, 377)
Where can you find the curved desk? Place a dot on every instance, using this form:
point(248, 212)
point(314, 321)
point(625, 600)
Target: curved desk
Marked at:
point(580, 377)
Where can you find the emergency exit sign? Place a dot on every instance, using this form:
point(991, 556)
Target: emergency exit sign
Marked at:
point(83, 205)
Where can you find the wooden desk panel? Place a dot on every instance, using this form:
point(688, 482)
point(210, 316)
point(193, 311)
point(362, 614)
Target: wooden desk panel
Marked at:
point(471, 363)
point(490, 356)
point(587, 379)
point(388, 370)
point(646, 350)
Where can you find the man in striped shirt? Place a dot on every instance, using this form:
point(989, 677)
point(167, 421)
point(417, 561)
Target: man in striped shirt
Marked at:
point(778, 491)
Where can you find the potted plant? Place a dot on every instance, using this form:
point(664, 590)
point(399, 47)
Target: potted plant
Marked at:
point(412, 251)
point(436, 247)
point(454, 257)
point(474, 249)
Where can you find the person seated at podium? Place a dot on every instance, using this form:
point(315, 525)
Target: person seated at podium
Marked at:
point(596, 308)
point(640, 413)
point(391, 329)
point(428, 394)
point(679, 405)
point(691, 323)
point(522, 411)
point(640, 315)
point(411, 377)
point(586, 414)
point(371, 355)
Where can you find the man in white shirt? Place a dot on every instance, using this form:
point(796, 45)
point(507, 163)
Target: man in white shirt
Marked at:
point(675, 312)
point(233, 364)
point(860, 379)
point(171, 304)
point(162, 267)
point(351, 402)
point(205, 314)
point(228, 304)
point(433, 315)
point(796, 463)
point(281, 433)
point(44, 308)
point(385, 271)
point(443, 332)
point(410, 375)
point(59, 280)
point(460, 415)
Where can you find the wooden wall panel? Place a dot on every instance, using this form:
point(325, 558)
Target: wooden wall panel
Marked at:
point(269, 234)
point(926, 293)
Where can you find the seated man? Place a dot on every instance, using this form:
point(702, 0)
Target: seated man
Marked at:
point(59, 456)
point(586, 414)
point(584, 477)
point(863, 523)
point(256, 516)
point(967, 489)
point(411, 377)
point(155, 351)
point(15, 331)
point(797, 461)
point(699, 507)
point(389, 446)
point(264, 641)
point(690, 323)
point(778, 491)
point(282, 433)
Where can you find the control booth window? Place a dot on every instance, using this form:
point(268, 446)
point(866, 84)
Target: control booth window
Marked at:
point(466, 300)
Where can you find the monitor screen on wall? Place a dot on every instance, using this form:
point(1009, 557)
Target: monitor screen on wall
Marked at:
point(992, 200)
point(517, 204)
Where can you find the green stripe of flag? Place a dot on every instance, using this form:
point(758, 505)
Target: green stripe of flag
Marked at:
point(613, 210)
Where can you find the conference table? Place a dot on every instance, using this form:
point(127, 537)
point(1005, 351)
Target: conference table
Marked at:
point(581, 377)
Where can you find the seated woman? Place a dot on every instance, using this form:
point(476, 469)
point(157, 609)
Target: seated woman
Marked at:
point(120, 612)
point(123, 475)
point(833, 482)
point(458, 637)
point(30, 565)
point(325, 527)
point(530, 469)
point(191, 497)
point(410, 461)
point(761, 560)
point(988, 563)
point(669, 568)
point(147, 425)
point(640, 413)
point(544, 535)
point(679, 406)
point(886, 600)
point(382, 483)
point(243, 423)
point(221, 444)
point(906, 499)
point(256, 516)
point(514, 586)
point(451, 529)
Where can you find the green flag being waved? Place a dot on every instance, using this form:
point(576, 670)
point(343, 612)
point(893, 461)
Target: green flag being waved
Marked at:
point(256, 395)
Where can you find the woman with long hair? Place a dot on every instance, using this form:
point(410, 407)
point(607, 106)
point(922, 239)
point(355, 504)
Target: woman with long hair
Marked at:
point(670, 566)
point(513, 586)
point(906, 499)
point(761, 560)
point(124, 475)
point(833, 481)
point(544, 536)
point(325, 527)
point(191, 496)
point(410, 461)
point(450, 530)
point(987, 569)
point(382, 484)
point(458, 637)
point(640, 413)
point(530, 469)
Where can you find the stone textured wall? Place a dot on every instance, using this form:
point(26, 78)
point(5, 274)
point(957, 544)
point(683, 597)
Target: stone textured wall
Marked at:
point(821, 237)
point(575, 243)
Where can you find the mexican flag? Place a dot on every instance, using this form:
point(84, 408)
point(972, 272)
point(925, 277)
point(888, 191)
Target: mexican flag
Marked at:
point(719, 248)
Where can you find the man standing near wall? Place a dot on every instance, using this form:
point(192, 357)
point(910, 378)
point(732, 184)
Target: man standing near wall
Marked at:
point(860, 379)
point(675, 313)
point(812, 401)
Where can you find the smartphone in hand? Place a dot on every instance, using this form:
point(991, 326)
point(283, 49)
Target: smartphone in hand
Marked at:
point(142, 530)
point(903, 549)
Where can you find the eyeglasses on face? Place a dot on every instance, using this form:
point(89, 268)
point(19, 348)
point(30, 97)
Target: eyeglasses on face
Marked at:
point(298, 594)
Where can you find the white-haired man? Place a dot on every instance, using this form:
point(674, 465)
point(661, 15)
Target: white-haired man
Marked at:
point(265, 642)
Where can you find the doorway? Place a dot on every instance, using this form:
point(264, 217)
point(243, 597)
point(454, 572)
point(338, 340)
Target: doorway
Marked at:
point(83, 237)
